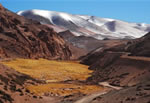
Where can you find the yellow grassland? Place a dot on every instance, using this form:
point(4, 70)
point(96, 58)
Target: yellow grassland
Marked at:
point(54, 72)
point(63, 89)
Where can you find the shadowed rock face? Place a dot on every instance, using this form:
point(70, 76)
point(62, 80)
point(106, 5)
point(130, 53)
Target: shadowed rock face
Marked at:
point(20, 37)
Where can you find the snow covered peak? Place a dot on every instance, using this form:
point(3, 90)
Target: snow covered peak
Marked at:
point(93, 26)
point(47, 14)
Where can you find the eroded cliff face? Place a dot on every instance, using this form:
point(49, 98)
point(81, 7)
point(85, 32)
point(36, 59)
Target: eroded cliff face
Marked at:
point(20, 37)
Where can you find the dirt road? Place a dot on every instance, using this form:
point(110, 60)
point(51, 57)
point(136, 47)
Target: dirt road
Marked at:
point(88, 99)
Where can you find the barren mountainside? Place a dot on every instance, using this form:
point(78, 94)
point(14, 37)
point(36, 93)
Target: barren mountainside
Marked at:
point(20, 37)
point(126, 65)
point(140, 47)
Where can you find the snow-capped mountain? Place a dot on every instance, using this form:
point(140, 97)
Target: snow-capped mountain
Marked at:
point(99, 28)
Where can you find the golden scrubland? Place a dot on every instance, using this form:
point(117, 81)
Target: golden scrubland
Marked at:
point(63, 89)
point(54, 73)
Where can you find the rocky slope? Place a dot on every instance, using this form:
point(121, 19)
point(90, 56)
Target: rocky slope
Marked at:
point(140, 47)
point(119, 64)
point(12, 86)
point(136, 94)
point(20, 37)
point(126, 65)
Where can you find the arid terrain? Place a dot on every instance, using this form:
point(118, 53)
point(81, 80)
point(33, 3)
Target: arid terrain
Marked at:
point(27, 75)
point(61, 79)
point(39, 65)
point(127, 66)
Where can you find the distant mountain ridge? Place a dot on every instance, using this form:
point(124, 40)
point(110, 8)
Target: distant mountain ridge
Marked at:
point(99, 28)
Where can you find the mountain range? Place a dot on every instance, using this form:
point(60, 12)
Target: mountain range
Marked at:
point(91, 26)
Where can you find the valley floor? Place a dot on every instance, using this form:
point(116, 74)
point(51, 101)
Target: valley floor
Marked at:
point(60, 79)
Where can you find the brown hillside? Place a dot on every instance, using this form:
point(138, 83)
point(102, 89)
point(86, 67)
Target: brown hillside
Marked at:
point(140, 47)
point(119, 65)
point(126, 65)
point(20, 37)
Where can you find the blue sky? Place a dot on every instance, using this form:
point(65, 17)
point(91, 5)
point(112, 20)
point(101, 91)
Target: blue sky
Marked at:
point(127, 10)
